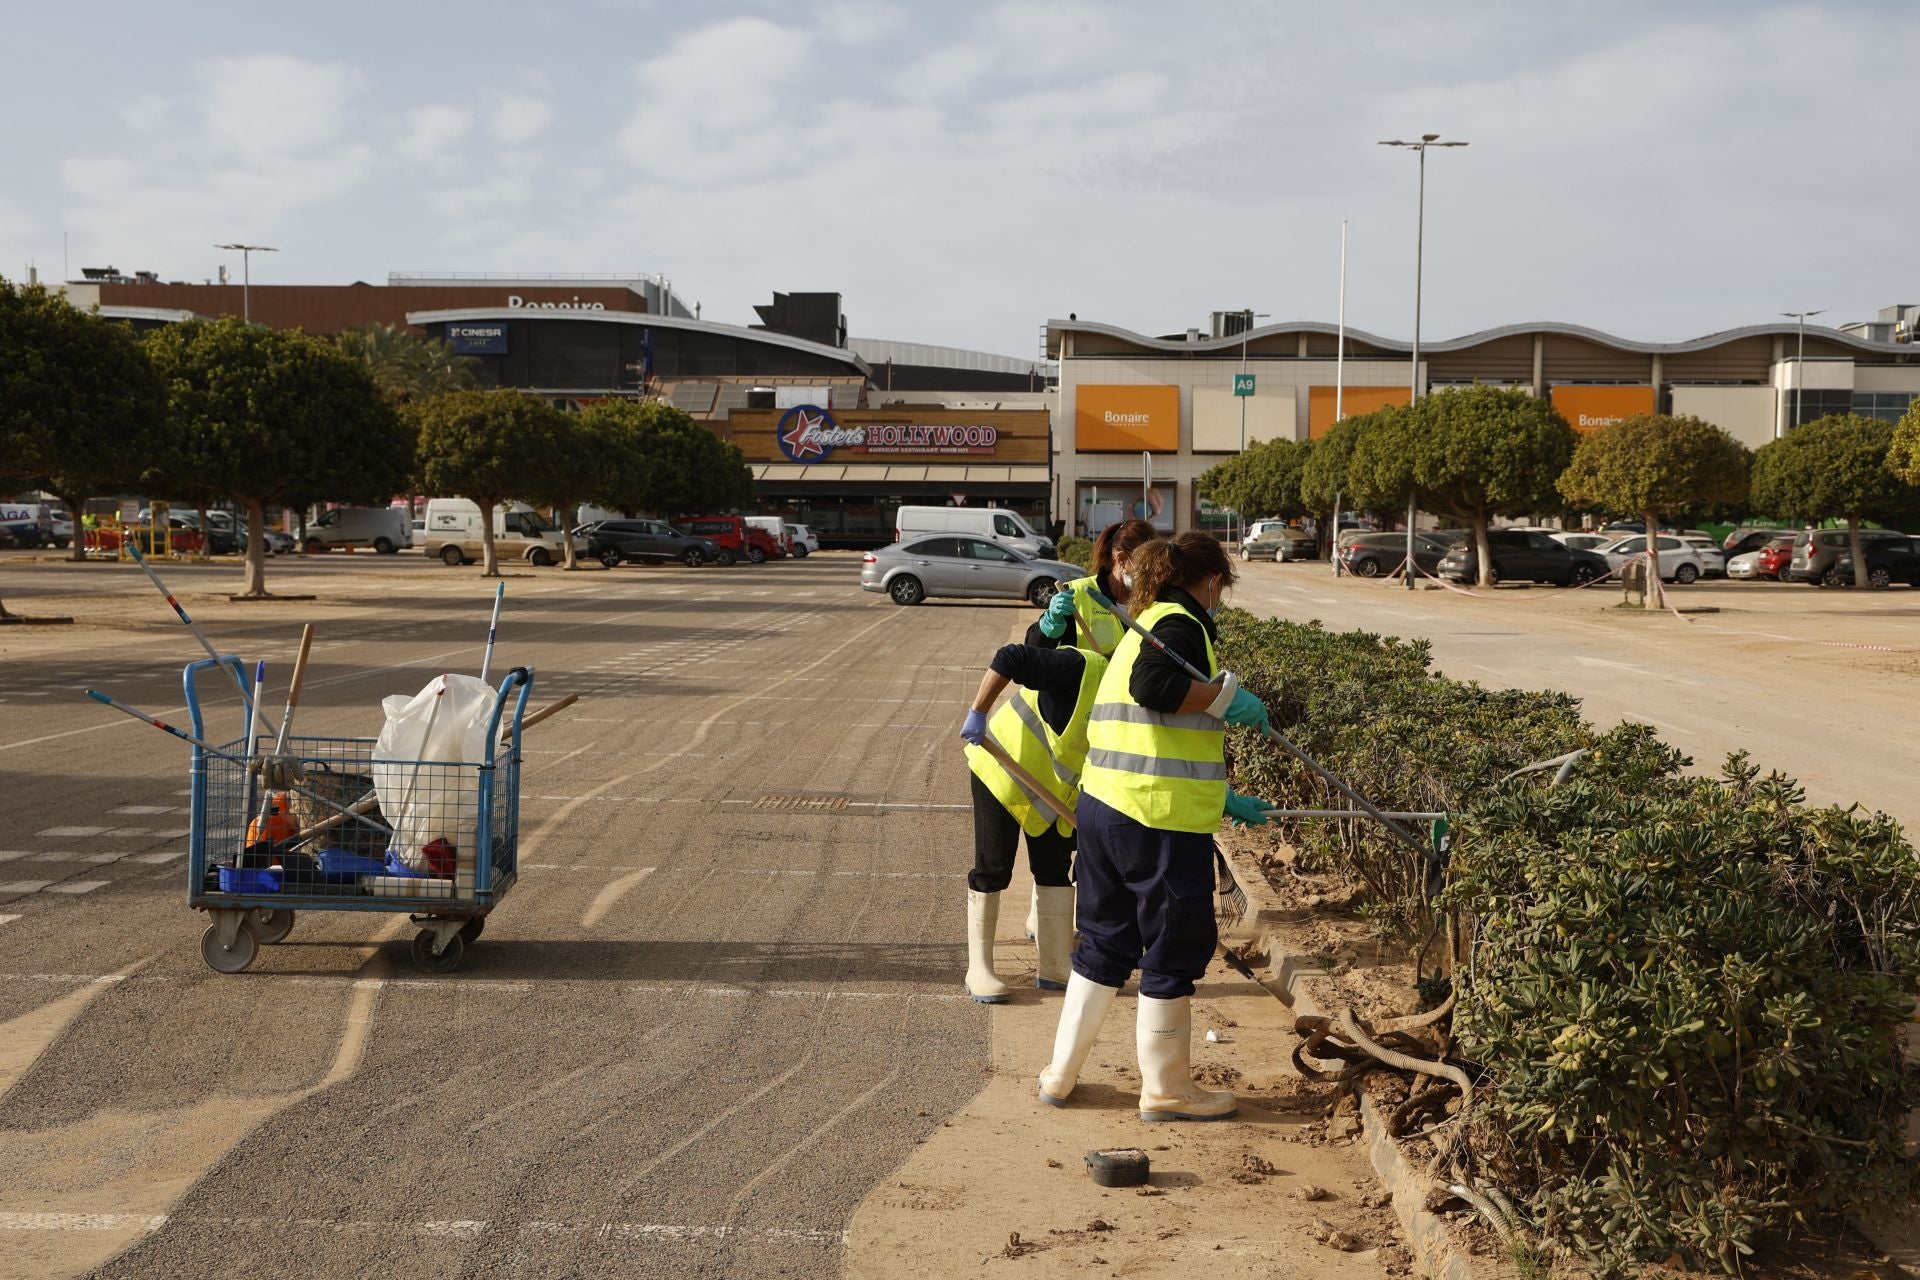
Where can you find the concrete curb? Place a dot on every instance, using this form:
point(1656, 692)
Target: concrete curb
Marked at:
point(1293, 975)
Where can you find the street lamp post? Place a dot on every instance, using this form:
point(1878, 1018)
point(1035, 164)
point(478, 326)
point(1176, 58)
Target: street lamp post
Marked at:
point(1419, 245)
point(1245, 331)
point(246, 252)
point(1800, 360)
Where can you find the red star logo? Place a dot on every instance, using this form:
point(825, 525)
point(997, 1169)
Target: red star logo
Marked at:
point(799, 443)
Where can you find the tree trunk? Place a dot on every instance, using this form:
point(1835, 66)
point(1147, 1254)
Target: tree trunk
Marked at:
point(256, 583)
point(78, 551)
point(566, 535)
point(1654, 587)
point(489, 561)
point(1483, 551)
point(1858, 551)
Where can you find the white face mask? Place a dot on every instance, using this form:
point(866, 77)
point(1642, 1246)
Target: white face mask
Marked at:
point(1126, 579)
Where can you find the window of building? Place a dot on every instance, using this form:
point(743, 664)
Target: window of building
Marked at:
point(1814, 403)
point(1887, 406)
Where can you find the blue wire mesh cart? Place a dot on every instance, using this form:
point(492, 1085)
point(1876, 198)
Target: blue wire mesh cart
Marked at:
point(251, 868)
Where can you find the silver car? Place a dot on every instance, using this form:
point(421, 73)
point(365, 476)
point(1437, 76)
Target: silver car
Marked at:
point(955, 565)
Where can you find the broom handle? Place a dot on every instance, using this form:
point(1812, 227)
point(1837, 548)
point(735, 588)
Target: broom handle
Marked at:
point(293, 689)
point(549, 709)
point(363, 805)
point(1026, 780)
point(239, 681)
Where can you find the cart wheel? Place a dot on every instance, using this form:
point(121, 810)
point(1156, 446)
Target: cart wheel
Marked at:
point(271, 924)
point(246, 945)
point(427, 962)
point(471, 929)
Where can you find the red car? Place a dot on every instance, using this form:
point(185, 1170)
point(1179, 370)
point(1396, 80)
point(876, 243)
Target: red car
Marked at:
point(1775, 557)
point(736, 538)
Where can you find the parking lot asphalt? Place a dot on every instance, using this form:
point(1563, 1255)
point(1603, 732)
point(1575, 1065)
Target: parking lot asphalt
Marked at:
point(722, 1003)
point(1818, 683)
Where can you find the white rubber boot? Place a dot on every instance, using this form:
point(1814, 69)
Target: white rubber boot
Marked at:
point(1033, 915)
point(983, 917)
point(1054, 938)
point(1081, 1013)
point(1164, 1042)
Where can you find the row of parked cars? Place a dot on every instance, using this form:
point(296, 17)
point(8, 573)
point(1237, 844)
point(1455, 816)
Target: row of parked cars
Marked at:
point(721, 540)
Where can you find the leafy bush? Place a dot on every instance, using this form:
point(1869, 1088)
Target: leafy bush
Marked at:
point(1076, 551)
point(1368, 709)
point(1690, 994)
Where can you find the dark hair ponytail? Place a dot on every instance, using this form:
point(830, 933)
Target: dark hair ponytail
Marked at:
point(1119, 539)
point(1179, 562)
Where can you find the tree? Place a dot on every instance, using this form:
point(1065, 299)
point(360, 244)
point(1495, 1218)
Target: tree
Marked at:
point(1479, 452)
point(486, 446)
point(657, 459)
point(1261, 482)
point(1331, 475)
point(274, 416)
point(566, 475)
point(1837, 467)
point(405, 365)
point(81, 412)
point(1654, 463)
point(1903, 457)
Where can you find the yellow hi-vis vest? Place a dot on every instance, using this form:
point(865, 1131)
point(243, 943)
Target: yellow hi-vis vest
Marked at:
point(1094, 628)
point(1166, 770)
point(1054, 759)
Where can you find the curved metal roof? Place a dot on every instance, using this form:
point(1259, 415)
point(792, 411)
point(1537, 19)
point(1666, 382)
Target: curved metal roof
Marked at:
point(1231, 345)
point(646, 319)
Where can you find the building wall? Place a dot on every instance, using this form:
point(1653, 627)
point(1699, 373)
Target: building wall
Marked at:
point(1746, 413)
point(327, 308)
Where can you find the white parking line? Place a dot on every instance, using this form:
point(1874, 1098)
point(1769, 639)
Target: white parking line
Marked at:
point(76, 886)
point(446, 1228)
point(72, 831)
point(9, 919)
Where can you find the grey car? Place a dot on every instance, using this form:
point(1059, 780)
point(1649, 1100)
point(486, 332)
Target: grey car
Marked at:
point(955, 565)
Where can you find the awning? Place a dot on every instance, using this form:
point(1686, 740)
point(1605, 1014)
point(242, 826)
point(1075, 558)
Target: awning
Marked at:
point(911, 474)
point(987, 475)
point(866, 471)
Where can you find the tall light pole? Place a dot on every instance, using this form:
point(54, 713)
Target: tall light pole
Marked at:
point(1800, 360)
point(1419, 245)
point(246, 252)
point(1245, 332)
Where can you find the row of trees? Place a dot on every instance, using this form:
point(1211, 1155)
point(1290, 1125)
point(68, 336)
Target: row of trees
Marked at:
point(216, 411)
point(1477, 453)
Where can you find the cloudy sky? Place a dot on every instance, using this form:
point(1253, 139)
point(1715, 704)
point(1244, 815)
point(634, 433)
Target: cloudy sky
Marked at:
point(962, 172)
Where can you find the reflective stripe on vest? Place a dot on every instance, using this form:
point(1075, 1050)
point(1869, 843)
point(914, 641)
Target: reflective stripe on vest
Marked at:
point(1094, 628)
point(1054, 759)
point(1165, 770)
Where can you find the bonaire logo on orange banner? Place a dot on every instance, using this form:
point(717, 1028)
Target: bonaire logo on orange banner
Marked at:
point(1126, 419)
point(1591, 408)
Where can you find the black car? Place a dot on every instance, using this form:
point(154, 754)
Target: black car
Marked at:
point(615, 542)
point(1889, 560)
point(1525, 556)
point(1368, 555)
point(1817, 552)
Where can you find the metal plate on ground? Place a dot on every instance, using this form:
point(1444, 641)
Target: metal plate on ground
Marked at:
point(801, 804)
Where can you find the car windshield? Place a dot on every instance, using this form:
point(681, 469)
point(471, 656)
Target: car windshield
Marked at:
point(532, 522)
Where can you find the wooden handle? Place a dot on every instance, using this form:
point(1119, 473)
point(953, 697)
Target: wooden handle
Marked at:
point(360, 806)
point(548, 710)
point(1026, 780)
point(300, 667)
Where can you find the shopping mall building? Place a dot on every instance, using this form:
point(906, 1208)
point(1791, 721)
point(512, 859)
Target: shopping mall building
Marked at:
point(1122, 394)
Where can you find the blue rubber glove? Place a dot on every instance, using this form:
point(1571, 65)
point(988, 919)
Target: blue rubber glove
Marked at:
point(1246, 709)
point(1246, 811)
point(975, 728)
point(1053, 623)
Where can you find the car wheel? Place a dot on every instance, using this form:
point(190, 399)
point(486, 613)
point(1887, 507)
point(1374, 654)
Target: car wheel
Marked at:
point(1833, 578)
point(1880, 579)
point(315, 546)
point(610, 558)
point(1686, 574)
point(799, 553)
point(906, 589)
point(726, 559)
point(541, 557)
point(1041, 592)
point(1581, 575)
point(451, 557)
point(692, 558)
point(1367, 567)
point(384, 546)
point(756, 556)
point(1493, 576)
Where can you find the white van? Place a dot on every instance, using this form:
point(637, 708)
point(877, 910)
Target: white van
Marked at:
point(385, 529)
point(26, 524)
point(519, 533)
point(1003, 527)
point(775, 528)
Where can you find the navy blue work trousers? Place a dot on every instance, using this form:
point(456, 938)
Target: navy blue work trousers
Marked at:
point(1145, 901)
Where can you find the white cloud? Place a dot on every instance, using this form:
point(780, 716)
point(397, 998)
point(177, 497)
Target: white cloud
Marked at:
point(275, 103)
point(433, 132)
point(519, 117)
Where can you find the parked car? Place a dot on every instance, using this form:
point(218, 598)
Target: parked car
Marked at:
point(1750, 537)
point(617, 542)
point(386, 529)
point(776, 528)
point(1280, 543)
point(1889, 560)
point(734, 535)
point(1745, 566)
point(991, 523)
point(1775, 557)
point(1713, 561)
point(1524, 557)
point(1371, 554)
point(223, 538)
point(62, 528)
point(1815, 551)
point(1679, 561)
point(1584, 541)
point(958, 565)
point(805, 542)
point(278, 543)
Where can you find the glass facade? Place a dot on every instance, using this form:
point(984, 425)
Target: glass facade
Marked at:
point(1887, 406)
point(577, 355)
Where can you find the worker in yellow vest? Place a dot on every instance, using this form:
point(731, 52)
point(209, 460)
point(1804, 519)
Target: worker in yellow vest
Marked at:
point(1152, 795)
point(1043, 729)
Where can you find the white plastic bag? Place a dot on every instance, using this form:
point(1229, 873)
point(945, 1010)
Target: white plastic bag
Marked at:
point(444, 725)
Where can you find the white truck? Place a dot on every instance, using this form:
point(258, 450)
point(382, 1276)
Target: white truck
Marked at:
point(1003, 527)
point(388, 530)
point(519, 533)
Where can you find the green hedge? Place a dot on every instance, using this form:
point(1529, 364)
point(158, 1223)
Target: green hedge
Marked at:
point(1686, 995)
point(1075, 551)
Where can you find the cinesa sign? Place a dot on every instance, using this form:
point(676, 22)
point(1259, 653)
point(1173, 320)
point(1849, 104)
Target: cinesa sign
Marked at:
point(808, 433)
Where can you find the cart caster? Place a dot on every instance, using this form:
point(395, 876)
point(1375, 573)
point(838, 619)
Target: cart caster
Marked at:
point(427, 962)
point(229, 957)
point(470, 931)
point(271, 924)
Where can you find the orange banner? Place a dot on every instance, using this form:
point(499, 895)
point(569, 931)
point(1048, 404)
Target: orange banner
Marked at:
point(1353, 401)
point(1591, 408)
point(1126, 419)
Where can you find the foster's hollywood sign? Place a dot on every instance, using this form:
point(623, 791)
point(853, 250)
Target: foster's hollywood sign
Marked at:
point(808, 433)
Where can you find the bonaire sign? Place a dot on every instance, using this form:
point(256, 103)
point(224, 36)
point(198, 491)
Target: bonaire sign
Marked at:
point(515, 300)
point(808, 433)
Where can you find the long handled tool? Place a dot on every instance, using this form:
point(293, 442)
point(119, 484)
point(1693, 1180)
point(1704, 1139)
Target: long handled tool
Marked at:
point(239, 681)
point(279, 770)
point(1279, 739)
point(1028, 783)
point(493, 627)
point(550, 709)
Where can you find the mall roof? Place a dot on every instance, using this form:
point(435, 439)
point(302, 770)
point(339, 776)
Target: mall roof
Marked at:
point(1231, 345)
point(648, 320)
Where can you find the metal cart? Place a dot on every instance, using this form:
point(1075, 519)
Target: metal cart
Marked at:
point(344, 867)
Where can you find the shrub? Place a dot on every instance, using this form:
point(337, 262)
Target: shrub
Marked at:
point(1076, 551)
point(1689, 994)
